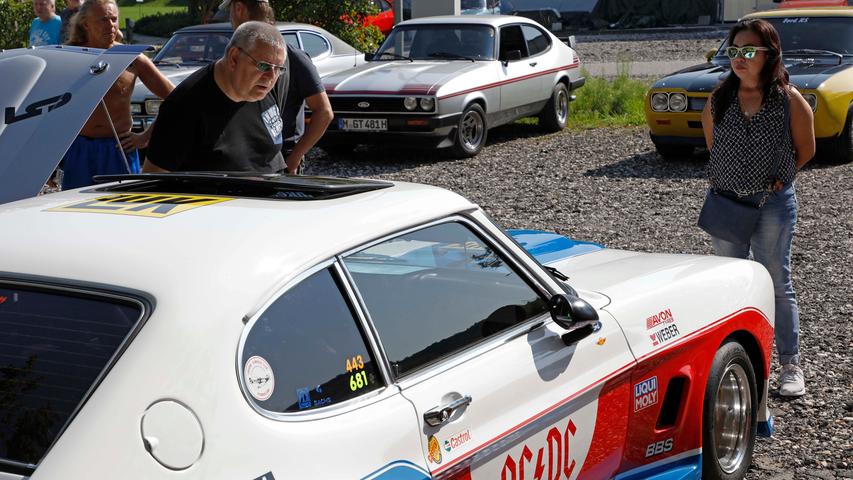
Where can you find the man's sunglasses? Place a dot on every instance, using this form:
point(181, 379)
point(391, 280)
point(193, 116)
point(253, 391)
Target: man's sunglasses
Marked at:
point(264, 67)
point(745, 52)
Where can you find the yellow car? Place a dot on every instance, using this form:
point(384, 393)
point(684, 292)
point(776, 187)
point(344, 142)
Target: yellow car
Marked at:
point(817, 48)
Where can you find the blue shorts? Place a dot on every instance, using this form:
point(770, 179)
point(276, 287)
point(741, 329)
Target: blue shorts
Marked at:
point(88, 157)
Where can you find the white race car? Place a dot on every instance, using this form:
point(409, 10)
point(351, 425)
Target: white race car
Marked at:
point(213, 326)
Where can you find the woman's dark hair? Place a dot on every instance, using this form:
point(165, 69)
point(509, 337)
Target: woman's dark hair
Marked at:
point(773, 75)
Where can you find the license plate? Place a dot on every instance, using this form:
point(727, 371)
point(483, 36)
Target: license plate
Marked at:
point(363, 124)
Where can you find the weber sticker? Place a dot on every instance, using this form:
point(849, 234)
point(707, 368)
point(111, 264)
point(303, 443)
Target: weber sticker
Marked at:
point(645, 393)
point(260, 381)
point(140, 205)
point(664, 335)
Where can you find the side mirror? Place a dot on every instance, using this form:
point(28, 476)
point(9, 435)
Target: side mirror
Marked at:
point(513, 55)
point(575, 315)
point(710, 54)
point(369, 56)
point(573, 44)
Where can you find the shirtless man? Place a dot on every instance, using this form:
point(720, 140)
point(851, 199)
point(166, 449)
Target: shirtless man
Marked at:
point(95, 150)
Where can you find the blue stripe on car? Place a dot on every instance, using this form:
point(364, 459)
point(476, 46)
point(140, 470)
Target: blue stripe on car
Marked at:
point(549, 247)
point(399, 470)
point(680, 467)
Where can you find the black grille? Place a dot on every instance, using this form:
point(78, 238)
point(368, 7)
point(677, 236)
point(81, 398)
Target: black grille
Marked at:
point(374, 104)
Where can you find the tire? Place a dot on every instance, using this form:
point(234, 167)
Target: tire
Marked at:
point(555, 115)
point(729, 415)
point(842, 150)
point(674, 152)
point(471, 132)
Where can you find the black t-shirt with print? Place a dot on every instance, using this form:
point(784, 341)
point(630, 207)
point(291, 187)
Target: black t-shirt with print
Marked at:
point(304, 82)
point(200, 129)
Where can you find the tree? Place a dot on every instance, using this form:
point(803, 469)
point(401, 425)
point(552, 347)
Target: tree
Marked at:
point(345, 18)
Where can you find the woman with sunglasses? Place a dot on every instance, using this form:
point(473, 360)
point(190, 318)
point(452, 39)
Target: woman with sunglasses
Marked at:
point(759, 131)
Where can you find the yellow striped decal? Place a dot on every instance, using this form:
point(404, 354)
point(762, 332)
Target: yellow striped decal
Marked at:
point(140, 205)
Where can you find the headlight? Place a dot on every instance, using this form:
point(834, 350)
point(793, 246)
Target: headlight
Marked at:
point(677, 102)
point(135, 108)
point(410, 103)
point(152, 106)
point(427, 104)
point(660, 102)
point(811, 99)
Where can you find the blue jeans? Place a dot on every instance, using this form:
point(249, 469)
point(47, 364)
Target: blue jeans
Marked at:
point(771, 247)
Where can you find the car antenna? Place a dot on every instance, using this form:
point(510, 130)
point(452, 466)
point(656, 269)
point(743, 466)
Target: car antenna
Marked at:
point(115, 135)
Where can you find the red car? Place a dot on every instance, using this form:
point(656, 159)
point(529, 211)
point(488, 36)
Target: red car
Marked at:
point(384, 20)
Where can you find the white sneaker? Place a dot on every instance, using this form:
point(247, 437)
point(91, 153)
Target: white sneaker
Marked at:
point(793, 384)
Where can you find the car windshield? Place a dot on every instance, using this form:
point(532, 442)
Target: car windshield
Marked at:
point(812, 34)
point(439, 42)
point(193, 48)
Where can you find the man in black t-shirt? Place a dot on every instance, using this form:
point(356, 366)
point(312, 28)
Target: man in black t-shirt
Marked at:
point(305, 88)
point(226, 116)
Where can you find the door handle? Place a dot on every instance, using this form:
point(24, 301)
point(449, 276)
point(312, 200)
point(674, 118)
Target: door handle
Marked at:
point(533, 64)
point(440, 415)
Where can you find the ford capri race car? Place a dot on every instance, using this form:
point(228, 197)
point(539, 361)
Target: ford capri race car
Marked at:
point(817, 48)
point(445, 81)
point(318, 327)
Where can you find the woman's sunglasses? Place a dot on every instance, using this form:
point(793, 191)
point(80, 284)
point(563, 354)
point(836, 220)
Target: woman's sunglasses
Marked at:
point(745, 52)
point(264, 67)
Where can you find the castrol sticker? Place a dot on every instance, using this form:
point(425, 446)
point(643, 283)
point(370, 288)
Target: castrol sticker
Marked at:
point(259, 378)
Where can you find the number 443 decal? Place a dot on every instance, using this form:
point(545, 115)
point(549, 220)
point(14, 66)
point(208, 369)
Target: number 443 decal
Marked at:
point(657, 448)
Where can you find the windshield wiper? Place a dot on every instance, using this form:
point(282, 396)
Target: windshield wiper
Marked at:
point(453, 56)
point(167, 62)
point(811, 51)
point(394, 55)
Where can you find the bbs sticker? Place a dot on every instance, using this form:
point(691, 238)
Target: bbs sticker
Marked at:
point(259, 378)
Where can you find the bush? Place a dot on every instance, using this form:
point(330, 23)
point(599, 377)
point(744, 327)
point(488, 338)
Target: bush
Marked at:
point(163, 24)
point(602, 102)
point(344, 18)
point(15, 18)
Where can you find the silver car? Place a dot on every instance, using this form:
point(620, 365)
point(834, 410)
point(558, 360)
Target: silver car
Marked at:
point(444, 81)
point(193, 47)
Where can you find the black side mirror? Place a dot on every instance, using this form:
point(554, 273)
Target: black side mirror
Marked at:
point(575, 315)
point(369, 56)
point(512, 55)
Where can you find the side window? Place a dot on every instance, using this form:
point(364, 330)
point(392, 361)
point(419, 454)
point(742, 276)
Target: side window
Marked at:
point(313, 44)
point(511, 40)
point(537, 41)
point(290, 39)
point(437, 291)
point(306, 350)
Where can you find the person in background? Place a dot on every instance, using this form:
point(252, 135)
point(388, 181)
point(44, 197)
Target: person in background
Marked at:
point(72, 6)
point(44, 30)
point(304, 88)
point(226, 116)
point(743, 122)
point(105, 144)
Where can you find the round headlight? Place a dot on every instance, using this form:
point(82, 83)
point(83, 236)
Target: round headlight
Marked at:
point(410, 103)
point(811, 99)
point(135, 108)
point(660, 102)
point(427, 103)
point(677, 102)
point(152, 107)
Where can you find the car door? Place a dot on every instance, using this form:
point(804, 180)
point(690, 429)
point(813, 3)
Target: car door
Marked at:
point(468, 338)
point(520, 86)
point(538, 45)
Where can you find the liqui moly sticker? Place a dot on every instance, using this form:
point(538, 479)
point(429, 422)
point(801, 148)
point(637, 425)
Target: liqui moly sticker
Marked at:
point(259, 378)
point(645, 393)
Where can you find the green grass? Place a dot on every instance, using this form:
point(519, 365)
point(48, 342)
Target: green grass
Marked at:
point(132, 9)
point(616, 102)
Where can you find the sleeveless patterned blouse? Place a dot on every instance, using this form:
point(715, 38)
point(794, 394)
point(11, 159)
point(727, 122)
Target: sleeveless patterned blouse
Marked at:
point(745, 150)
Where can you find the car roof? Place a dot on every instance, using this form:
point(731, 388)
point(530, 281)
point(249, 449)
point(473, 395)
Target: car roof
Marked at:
point(253, 245)
point(804, 12)
point(339, 47)
point(493, 20)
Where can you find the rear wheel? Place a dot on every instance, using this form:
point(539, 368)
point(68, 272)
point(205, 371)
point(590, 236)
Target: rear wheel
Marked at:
point(555, 115)
point(470, 132)
point(843, 149)
point(728, 415)
point(674, 152)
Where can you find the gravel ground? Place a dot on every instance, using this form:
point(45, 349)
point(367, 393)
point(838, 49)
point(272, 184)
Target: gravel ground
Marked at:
point(658, 49)
point(609, 186)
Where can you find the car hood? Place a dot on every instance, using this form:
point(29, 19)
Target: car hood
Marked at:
point(423, 77)
point(805, 73)
point(48, 94)
point(175, 75)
